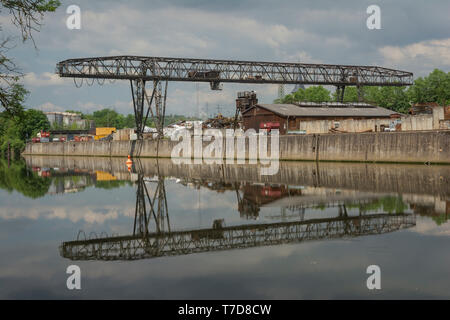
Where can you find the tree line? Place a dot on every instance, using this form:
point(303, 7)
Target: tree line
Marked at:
point(23, 124)
point(110, 118)
point(433, 88)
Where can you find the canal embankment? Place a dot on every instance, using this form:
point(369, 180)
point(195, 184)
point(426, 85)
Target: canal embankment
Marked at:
point(394, 147)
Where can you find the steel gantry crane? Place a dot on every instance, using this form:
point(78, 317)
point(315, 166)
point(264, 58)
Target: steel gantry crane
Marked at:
point(159, 70)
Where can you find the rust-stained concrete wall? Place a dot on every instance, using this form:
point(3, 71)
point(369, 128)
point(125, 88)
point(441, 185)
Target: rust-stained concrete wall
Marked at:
point(430, 146)
point(408, 122)
point(349, 125)
point(421, 147)
point(419, 122)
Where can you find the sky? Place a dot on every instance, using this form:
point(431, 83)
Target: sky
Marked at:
point(414, 36)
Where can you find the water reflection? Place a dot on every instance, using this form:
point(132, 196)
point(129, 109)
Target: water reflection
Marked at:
point(16, 176)
point(152, 236)
point(373, 212)
point(393, 216)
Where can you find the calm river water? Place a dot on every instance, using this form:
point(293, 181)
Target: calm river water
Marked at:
point(165, 231)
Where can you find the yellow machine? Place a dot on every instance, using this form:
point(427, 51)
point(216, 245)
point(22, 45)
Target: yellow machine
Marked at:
point(103, 132)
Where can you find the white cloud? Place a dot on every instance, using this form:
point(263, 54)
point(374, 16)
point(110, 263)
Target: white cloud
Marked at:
point(88, 214)
point(428, 54)
point(44, 79)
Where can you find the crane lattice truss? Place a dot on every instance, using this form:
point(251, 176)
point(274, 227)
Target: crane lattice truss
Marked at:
point(217, 71)
point(161, 244)
point(139, 70)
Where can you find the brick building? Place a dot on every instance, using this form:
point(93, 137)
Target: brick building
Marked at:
point(309, 117)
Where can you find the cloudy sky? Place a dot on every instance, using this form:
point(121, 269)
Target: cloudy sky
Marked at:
point(414, 36)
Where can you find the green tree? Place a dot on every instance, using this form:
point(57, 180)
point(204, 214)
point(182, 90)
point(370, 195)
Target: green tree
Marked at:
point(289, 98)
point(350, 95)
point(32, 122)
point(10, 135)
point(317, 94)
point(312, 94)
point(393, 98)
point(433, 88)
point(15, 97)
point(15, 125)
point(17, 129)
point(299, 95)
point(129, 121)
point(107, 118)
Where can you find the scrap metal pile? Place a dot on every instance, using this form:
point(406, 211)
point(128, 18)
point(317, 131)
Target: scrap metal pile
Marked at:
point(219, 122)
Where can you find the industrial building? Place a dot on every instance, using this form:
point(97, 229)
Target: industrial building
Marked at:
point(310, 117)
point(427, 116)
point(66, 120)
point(336, 117)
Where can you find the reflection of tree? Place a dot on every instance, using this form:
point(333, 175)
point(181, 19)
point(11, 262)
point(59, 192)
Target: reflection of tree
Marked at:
point(430, 211)
point(18, 177)
point(440, 219)
point(386, 204)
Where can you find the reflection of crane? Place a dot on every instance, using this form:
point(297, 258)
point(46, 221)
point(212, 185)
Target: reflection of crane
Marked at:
point(144, 243)
point(158, 244)
point(157, 204)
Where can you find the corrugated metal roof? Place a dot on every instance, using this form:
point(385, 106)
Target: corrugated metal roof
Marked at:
point(327, 110)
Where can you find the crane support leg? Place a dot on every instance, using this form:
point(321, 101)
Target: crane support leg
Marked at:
point(340, 90)
point(360, 93)
point(145, 105)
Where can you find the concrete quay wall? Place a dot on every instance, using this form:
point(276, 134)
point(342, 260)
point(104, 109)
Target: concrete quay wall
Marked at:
point(398, 147)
